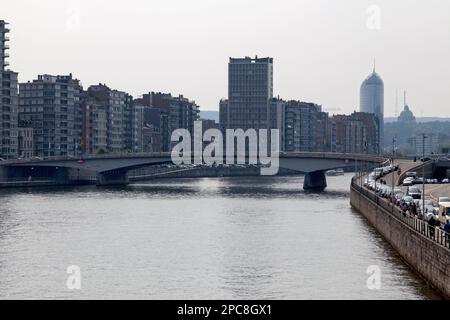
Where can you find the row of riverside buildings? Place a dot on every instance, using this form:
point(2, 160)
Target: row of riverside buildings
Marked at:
point(54, 115)
point(58, 118)
point(304, 126)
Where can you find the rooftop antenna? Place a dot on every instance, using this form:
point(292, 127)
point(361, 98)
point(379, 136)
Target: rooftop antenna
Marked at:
point(374, 64)
point(404, 98)
point(396, 103)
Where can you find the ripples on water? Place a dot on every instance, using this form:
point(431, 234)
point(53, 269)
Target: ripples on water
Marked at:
point(224, 238)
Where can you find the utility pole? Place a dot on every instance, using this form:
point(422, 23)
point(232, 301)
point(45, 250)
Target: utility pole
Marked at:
point(423, 173)
point(393, 164)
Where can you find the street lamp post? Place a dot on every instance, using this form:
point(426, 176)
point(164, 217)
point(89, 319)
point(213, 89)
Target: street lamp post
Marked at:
point(423, 173)
point(393, 172)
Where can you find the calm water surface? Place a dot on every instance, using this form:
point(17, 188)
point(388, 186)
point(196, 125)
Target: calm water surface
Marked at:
point(224, 238)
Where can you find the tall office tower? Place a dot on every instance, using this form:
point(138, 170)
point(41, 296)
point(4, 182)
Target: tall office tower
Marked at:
point(250, 90)
point(51, 105)
point(115, 107)
point(372, 100)
point(8, 101)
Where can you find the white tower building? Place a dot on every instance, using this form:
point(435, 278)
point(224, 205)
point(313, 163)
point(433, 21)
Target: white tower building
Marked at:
point(372, 99)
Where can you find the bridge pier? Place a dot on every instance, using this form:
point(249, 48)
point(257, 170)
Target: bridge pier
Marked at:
point(112, 178)
point(315, 181)
point(3, 174)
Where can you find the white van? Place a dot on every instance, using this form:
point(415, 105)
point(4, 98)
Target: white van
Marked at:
point(444, 212)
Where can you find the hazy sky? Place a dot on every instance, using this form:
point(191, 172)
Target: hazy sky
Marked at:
point(322, 49)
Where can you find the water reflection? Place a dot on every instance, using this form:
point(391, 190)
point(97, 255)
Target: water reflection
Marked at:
point(222, 238)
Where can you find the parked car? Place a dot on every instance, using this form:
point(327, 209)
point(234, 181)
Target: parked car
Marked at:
point(399, 195)
point(414, 192)
point(408, 200)
point(446, 180)
point(378, 172)
point(429, 206)
point(408, 181)
point(411, 174)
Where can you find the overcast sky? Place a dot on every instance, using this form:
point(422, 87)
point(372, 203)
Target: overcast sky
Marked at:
point(322, 49)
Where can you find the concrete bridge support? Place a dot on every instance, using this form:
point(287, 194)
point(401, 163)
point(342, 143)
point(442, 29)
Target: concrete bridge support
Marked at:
point(3, 174)
point(111, 178)
point(315, 181)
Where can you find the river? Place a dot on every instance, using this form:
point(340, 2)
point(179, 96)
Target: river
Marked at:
point(212, 238)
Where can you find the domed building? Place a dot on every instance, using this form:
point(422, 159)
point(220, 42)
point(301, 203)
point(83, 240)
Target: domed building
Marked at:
point(406, 116)
point(372, 99)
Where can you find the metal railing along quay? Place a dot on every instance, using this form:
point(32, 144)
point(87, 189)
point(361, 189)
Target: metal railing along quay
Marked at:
point(421, 227)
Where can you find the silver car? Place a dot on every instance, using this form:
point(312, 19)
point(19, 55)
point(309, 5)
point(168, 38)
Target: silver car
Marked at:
point(414, 192)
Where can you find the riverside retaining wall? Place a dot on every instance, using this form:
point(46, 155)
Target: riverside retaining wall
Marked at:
point(426, 257)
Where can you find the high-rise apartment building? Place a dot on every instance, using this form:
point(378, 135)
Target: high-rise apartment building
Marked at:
point(164, 114)
point(223, 114)
point(303, 127)
point(250, 90)
point(95, 125)
point(51, 106)
point(183, 113)
point(8, 100)
point(146, 136)
point(357, 133)
point(107, 118)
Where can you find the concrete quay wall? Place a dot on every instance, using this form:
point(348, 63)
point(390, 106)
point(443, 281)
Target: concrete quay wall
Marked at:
point(426, 257)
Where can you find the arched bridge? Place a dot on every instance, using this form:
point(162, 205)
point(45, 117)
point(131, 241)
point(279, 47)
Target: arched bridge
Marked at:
point(113, 169)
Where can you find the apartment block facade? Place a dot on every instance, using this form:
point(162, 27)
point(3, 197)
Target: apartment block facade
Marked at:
point(107, 115)
point(165, 113)
point(9, 145)
point(357, 133)
point(303, 127)
point(52, 107)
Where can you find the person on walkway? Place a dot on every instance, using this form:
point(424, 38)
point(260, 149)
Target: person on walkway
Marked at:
point(432, 226)
point(404, 208)
point(414, 209)
point(447, 232)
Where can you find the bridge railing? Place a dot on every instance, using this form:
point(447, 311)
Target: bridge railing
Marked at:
point(421, 227)
point(316, 155)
